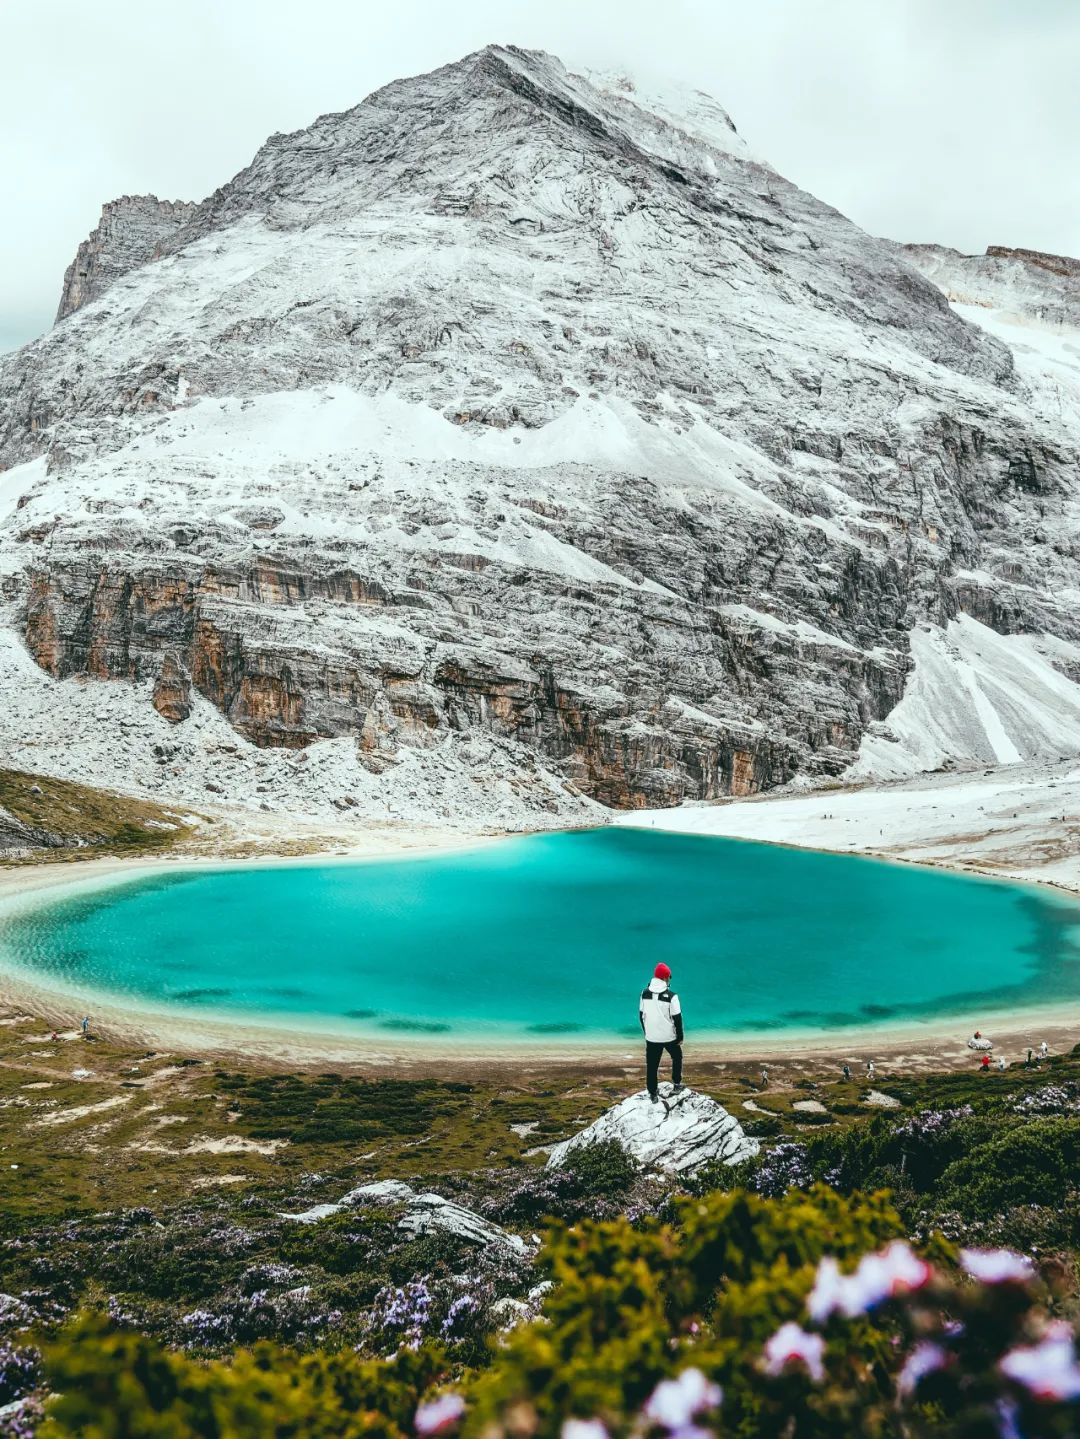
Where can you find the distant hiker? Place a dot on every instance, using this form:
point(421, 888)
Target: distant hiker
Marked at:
point(1044, 1050)
point(85, 1026)
point(54, 1035)
point(846, 1071)
point(869, 1069)
point(764, 1076)
point(977, 1034)
point(984, 1063)
point(1028, 1060)
point(660, 1014)
point(1001, 1063)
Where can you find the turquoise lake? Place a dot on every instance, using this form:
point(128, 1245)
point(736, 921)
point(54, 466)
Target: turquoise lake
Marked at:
point(555, 935)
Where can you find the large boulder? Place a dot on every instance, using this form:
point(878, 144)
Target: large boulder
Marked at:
point(680, 1134)
point(422, 1213)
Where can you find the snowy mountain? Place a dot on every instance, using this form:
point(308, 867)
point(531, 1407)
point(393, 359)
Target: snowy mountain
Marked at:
point(514, 441)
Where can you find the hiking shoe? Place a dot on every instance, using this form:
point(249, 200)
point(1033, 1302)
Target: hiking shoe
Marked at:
point(678, 1088)
point(654, 1099)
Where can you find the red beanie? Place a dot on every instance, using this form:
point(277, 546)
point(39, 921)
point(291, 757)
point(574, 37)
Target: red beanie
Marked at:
point(661, 971)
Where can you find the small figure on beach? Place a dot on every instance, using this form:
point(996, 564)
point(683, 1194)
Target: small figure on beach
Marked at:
point(1028, 1060)
point(85, 1024)
point(1044, 1050)
point(54, 1036)
point(764, 1076)
point(846, 1071)
point(869, 1069)
point(660, 1014)
point(1001, 1063)
point(984, 1063)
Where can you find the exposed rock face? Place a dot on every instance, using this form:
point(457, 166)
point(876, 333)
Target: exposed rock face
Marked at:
point(131, 231)
point(172, 690)
point(16, 835)
point(521, 405)
point(1027, 282)
point(422, 1214)
point(680, 1134)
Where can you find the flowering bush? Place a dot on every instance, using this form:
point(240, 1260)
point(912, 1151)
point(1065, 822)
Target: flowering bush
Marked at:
point(20, 1371)
point(460, 1313)
point(811, 1315)
point(807, 1316)
point(1050, 1099)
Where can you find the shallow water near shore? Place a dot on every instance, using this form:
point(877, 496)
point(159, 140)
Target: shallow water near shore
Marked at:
point(553, 936)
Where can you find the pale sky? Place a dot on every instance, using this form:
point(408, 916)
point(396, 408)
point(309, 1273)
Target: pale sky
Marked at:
point(954, 121)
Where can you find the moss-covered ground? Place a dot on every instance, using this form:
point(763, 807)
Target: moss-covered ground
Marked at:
point(140, 1127)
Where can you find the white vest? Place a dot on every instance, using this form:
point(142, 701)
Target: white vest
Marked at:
point(658, 1006)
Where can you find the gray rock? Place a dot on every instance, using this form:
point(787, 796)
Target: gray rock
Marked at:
point(423, 1213)
point(680, 1134)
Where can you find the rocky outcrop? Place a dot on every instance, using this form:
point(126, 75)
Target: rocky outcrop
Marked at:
point(421, 1214)
point(131, 231)
point(172, 689)
point(1056, 264)
point(679, 1134)
point(14, 835)
point(518, 405)
point(1022, 282)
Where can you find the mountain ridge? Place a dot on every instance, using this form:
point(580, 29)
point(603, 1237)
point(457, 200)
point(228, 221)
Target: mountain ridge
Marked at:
point(499, 408)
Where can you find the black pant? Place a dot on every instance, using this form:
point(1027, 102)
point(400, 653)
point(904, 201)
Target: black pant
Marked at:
point(652, 1062)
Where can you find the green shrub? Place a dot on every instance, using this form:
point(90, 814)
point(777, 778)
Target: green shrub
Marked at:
point(631, 1306)
point(110, 1384)
point(1027, 1162)
point(603, 1170)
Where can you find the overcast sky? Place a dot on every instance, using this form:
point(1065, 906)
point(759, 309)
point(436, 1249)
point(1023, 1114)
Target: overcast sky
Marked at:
point(947, 120)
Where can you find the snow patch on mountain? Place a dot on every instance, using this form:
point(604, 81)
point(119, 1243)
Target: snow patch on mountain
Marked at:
point(977, 696)
point(1016, 822)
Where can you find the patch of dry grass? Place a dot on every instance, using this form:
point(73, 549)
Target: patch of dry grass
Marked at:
point(89, 823)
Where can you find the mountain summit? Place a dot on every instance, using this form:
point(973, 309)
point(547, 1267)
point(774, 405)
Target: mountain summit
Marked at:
point(516, 439)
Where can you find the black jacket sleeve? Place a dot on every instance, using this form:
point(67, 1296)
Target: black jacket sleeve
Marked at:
point(677, 1018)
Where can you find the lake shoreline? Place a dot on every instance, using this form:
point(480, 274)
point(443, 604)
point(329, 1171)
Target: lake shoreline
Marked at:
point(904, 1040)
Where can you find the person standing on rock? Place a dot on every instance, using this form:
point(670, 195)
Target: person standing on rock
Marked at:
point(660, 1014)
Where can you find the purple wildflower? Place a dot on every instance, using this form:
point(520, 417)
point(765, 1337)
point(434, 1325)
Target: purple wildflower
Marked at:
point(997, 1266)
point(675, 1402)
point(924, 1359)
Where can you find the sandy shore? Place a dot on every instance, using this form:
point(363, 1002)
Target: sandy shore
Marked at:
point(1017, 822)
point(17, 881)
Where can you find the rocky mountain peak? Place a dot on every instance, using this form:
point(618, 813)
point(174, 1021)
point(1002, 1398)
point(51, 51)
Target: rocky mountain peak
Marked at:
point(131, 231)
point(515, 434)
